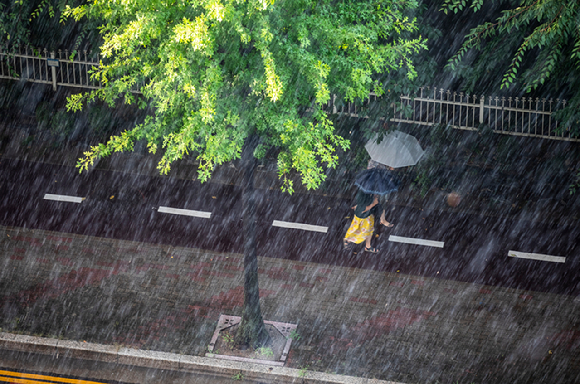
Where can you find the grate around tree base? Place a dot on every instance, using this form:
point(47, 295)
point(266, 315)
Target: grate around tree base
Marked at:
point(222, 347)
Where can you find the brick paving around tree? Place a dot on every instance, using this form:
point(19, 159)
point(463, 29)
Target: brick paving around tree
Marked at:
point(357, 322)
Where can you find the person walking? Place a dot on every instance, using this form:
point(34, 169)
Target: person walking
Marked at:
point(363, 223)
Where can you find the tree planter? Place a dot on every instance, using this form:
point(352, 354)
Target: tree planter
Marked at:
point(221, 344)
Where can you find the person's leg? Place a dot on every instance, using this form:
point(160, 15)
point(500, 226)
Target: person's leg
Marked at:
point(368, 242)
point(347, 244)
point(384, 221)
point(368, 247)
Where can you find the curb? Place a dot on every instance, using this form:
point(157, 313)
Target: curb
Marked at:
point(171, 361)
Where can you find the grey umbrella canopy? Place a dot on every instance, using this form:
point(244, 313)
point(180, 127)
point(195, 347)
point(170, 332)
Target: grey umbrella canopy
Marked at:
point(396, 150)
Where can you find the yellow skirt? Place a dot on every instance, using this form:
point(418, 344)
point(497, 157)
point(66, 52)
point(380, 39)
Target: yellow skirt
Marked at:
point(360, 229)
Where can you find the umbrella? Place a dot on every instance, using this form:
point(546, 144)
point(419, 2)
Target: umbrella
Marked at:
point(396, 150)
point(377, 181)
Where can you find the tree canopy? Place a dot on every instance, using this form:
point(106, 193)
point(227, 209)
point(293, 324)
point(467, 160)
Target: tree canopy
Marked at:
point(547, 36)
point(41, 23)
point(215, 72)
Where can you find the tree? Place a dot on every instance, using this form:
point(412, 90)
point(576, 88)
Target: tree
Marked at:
point(238, 78)
point(40, 23)
point(16, 20)
point(547, 33)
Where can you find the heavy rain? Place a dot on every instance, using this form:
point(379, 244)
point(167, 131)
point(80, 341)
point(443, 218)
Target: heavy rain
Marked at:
point(290, 192)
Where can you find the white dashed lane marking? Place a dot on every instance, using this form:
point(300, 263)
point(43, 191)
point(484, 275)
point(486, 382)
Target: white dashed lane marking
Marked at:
point(305, 227)
point(412, 240)
point(537, 256)
point(65, 198)
point(184, 212)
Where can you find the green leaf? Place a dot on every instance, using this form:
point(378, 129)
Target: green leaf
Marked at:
point(216, 73)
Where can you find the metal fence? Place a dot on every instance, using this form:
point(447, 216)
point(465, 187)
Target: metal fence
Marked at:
point(506, 115)
point(525, 116)
point(41, 66)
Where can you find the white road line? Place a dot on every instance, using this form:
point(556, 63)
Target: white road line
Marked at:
point(305, 227)
point(411, 240)
point(185, 212)
point(536, 256)
point(68, 199)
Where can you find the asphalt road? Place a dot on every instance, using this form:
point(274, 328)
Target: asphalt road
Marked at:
point(308, 227)
point(30, 368)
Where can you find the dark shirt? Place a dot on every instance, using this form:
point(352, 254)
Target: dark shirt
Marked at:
point(363, 200)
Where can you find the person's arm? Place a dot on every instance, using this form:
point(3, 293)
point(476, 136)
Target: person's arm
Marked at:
point(375, 202)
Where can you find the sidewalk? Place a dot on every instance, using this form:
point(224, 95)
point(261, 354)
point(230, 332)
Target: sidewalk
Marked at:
point(362, 323)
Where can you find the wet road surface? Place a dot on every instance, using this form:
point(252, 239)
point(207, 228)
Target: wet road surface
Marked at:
point(511, 251)
point(29, 368)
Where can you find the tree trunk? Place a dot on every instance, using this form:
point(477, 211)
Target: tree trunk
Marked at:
point(251, 331)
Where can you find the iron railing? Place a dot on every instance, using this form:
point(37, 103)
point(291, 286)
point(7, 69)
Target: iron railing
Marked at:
point(41, 66)
point(519, 116)
point(525, 116)
point(506, 115)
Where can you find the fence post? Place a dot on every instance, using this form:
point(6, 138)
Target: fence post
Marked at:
point(53, 70)
point(481, 102)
